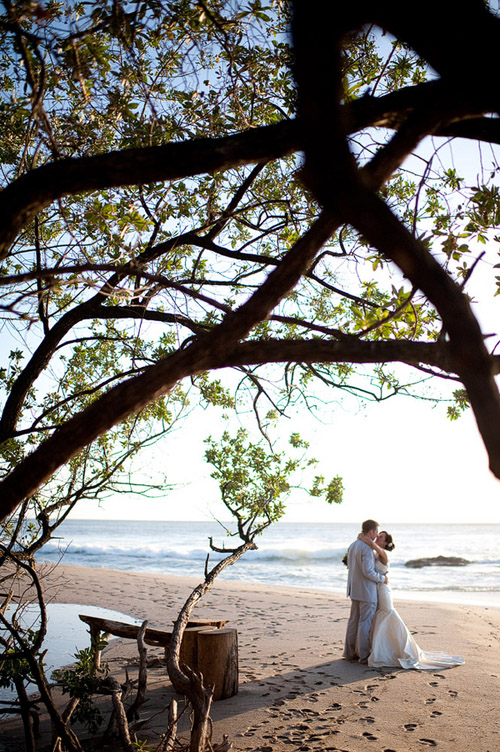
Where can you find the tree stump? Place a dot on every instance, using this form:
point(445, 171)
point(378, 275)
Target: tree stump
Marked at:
point(188, 653)
point(217, 623)
point(218, 660)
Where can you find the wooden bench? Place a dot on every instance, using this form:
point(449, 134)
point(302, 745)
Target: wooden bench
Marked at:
point(208, 646)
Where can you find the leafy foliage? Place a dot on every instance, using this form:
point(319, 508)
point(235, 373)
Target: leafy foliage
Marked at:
point(14, 667)
point(254, 483)
point(82, 681)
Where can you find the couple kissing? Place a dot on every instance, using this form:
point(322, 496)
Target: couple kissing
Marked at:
point(376, 634)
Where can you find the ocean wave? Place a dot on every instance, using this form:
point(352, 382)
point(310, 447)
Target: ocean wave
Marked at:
point(278, 555)
point(291, 555)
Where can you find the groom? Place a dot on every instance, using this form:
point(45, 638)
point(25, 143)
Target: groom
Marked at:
point(362, 582)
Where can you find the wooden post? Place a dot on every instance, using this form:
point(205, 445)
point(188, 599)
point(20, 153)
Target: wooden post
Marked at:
point(218, 660)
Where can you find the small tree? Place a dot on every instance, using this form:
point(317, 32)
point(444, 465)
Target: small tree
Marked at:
point(253, 484)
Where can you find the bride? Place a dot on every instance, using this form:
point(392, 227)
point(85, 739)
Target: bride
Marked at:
point(391, 642)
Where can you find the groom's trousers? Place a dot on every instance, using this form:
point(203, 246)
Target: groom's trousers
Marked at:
point(357, 638)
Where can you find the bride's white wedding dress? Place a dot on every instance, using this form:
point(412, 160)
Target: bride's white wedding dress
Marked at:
point(392, 643)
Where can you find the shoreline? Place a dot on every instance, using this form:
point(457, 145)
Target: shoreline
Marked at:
point(475, 598)
point(295, 690)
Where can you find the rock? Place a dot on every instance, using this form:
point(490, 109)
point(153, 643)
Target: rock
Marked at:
point(438, 561)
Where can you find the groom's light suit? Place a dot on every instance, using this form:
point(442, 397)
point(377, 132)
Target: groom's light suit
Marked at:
point(362, 582)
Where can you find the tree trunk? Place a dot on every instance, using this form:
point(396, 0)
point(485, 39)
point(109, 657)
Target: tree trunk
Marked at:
point(201, 701)
point(24, 704)
point(188, 654)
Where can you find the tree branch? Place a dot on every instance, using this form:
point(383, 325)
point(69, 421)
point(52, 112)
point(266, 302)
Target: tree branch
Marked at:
point(134, 394)
point(28, 195)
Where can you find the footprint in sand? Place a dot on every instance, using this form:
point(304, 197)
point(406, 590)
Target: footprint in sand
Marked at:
point(369, 737)
point(410, 726)
point(368, 719)
point(435, 714)
point(433, 684)
point(452, 693)
point(428, 742)
point(335, 706)
point(430, 701)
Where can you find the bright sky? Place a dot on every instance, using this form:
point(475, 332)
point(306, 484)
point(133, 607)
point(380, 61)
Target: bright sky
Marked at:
point(401, 461)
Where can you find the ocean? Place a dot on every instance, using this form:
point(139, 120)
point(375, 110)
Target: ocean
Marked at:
point(301, 555)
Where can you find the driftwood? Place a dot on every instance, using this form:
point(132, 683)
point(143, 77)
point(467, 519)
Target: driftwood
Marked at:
point(121, 629)
point(130, 631)
point(171, 734)
point(207, 648)
point(116, 691)
point(140, 699)
point(156, 637)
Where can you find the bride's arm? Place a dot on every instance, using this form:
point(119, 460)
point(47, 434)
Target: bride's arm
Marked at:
point(382, 555)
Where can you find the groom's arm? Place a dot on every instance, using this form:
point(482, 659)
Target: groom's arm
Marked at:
point(368, 566)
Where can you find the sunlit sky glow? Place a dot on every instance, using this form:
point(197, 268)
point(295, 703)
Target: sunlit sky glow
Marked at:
point(401, 461)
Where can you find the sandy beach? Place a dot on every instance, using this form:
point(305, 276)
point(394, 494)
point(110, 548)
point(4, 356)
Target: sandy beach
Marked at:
point(295, 690)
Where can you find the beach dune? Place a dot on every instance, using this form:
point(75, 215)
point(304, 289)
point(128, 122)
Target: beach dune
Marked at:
point(295, 690)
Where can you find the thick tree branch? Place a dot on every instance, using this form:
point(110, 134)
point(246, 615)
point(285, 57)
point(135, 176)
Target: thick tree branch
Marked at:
point(471, 360)
point(116, 404)
point(318, 69)
point(451, 37)
point(27, 196)
point(257, 352)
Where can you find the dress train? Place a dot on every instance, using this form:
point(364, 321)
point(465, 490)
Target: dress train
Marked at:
point(391, 642)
